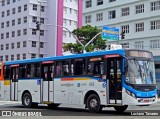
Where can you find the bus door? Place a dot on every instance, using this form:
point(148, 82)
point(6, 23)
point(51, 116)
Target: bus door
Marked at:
point(14, 82)
point(114, 71)
point(47, 81)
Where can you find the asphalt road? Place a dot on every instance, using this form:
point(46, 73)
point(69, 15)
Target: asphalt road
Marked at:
point(133, 112)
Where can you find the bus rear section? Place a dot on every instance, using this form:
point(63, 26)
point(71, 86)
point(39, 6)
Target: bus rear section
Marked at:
point(1, 81)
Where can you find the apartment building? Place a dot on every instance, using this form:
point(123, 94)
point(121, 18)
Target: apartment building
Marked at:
point(19, 38)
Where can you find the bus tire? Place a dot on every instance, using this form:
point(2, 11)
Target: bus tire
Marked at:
point(53, 105)
point(121, 108)
point(93, 103)
point(27, 100)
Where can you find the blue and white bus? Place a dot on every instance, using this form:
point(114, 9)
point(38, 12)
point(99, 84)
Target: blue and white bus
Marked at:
point(115, 78)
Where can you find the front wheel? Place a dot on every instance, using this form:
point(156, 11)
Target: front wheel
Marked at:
point(121, 108)
point(93, 103)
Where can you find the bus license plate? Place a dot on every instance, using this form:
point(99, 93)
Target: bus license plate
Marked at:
point(145, 100)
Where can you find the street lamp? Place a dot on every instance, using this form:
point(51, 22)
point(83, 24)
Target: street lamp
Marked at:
point(38, 24)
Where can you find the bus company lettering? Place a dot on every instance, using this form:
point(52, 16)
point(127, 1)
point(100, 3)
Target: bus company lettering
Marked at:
point(91, 84)
point(67, 84)
point(81, 84)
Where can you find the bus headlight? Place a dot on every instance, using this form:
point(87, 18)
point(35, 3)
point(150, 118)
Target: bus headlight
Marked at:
point(130, 93)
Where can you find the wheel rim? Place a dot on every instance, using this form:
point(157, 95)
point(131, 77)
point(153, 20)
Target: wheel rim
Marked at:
point(93, 103)
point(27, 100)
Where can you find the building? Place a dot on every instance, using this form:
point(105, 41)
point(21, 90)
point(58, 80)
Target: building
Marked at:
point(139, 19)
point(19, 38)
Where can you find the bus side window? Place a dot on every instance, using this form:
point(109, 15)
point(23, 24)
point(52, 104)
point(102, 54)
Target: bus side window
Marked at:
point(59, 68)
point(33, 70)
point(79, 67)
point(22, 71)
point(65, 68)
point(6, 72)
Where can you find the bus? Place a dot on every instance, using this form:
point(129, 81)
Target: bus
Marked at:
point(114, 78)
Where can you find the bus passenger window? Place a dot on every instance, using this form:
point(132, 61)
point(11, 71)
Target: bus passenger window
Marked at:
point(58, 69)
point(79, 67)
point(22, 71)
point(65, 68)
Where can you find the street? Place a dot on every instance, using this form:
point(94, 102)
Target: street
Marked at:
point(78, 111)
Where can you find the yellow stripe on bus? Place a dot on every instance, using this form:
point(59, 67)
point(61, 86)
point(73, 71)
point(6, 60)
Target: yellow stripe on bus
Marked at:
point(7, 82)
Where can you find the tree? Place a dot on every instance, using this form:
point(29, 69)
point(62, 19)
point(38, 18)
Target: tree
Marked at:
point(85, 34)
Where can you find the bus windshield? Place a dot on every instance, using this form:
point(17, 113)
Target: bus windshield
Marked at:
point(140, 72)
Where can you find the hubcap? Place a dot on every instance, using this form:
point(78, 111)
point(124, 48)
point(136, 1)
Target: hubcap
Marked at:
point(27, 100)
point(93, 103)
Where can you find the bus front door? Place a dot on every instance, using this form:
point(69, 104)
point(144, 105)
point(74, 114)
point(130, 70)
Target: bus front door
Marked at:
point(14, 83)
point(47, 82)
point(114, 78)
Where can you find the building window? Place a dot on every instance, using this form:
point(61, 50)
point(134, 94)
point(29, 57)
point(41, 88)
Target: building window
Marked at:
point(8, 2)
point(13, 33)
point(25, 19)
point(64, 33)
point(125, 28)
point(2, 14)
point(42, 8)
point(41, 32)
point(18, 56)
point(7, 35)
point(3, 2)
point(13, 22)
point(139, 27)
point(12, 57)
point(1, 47)
point(41, 45)
point(155, 24)
point(18, 44)
point(7, 24)
point(7, 46)
point(112, 14)
point(19, 20)
point(99, 17)
point(65, 21)
point(139, 45)
point(125, 11)
point(24, 44)
point(14, 1)
point(33, 43)
point(24, 31)
point(41, 55)
point(88, 3)
point(42, 20)
point(18, 32)
point(6, 57)
point(125, 45)
point(12, 45)
point(112, 0)
point(88, 19)
point(35, 7)
point(33, 56)
point(24, 56)
point(2, 25)
point(8, 12)
point(70, 22)
point(2, 35)
point(99, 2)
point(65, 10)
point(155, 44)
point(34, 19)
point(139, 8)
point(70, 9)
point(25, 7)
point(13, 10)
point(155, 5)
point(19, 9)
point(33, 31)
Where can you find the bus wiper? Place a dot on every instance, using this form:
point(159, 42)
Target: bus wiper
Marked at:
point(139, 67)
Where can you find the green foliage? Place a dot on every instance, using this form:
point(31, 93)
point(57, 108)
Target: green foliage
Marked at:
point(85, 34)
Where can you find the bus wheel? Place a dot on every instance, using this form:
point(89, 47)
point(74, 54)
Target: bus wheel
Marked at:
point(93, 103)
point(53, 105)
point(27, 100)
point(121, 108)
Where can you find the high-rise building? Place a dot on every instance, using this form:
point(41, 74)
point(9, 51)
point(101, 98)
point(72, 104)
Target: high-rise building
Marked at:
point(138, 19)
point(20, 37)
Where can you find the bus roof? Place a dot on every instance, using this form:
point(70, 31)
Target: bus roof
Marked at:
point(90, 54)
